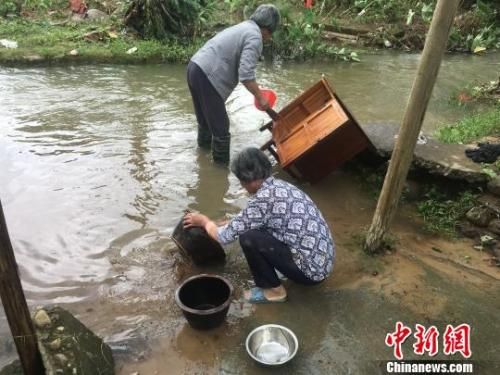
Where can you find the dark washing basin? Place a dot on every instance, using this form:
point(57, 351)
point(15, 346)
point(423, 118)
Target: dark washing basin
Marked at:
point(204, 300)
point(197, 244)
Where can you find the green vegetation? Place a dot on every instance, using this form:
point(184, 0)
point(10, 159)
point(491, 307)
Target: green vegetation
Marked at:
point(441, 214)
point(30, 6)
point(484, 93)
point(170, 30)
point(482, 100)
point(476, 28)
point(472, 128)
point(8, 6)
point(369, 178)
point(439, 208)
point(160, 19)
point(100, 43)
point(390, 11)
point(300, 38)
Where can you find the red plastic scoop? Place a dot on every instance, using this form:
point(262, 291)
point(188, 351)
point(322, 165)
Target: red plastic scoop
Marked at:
point(270, 95)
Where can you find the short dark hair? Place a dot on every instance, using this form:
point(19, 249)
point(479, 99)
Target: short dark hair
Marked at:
point(267, 16)
point(251, 164)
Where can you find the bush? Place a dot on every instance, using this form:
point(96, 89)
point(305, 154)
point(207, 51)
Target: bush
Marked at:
point(9, 7)
point(299, 37)
point(476, 28)
point(158, 19)
point(441, 214)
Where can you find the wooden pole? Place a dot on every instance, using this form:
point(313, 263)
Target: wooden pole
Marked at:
point(435, 46)
point(15, 306)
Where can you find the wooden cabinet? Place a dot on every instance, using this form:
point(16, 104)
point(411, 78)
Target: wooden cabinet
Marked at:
point(315, 134)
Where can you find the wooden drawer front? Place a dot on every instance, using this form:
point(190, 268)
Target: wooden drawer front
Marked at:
point(317, 99)
point(295, 116)
point(293, 146)
point(326, 121)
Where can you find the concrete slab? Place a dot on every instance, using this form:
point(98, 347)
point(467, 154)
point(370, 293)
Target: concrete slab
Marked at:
point(448, 160)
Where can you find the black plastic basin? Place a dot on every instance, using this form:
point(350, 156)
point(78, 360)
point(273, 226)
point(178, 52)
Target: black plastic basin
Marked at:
point(196, 243)
point(204, 300)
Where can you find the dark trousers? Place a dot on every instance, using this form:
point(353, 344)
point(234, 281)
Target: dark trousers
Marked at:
point(210, 109)
point(264, 254)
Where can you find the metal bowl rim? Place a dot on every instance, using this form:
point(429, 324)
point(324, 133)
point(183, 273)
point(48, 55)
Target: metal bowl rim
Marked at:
point(204, 312)
point(259, 328)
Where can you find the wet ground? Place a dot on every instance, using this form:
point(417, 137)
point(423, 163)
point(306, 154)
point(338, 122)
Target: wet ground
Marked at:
point(342, 323)
point(97, 165)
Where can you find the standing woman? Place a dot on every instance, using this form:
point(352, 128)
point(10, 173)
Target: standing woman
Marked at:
point(214, 71)
point(280, 229)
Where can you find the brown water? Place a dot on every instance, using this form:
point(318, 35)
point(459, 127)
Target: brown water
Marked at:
point(97, 164)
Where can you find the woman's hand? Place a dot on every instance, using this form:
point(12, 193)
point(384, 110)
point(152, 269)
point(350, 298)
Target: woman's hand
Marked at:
point(199, 220)
point(195, 220)
point(221, 222)
point(263, 103)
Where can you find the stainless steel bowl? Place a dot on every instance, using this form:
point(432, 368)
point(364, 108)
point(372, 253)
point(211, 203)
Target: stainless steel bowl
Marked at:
point(272, 344)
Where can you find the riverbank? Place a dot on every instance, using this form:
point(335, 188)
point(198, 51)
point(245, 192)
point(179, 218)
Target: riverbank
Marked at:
point(40, 42)
point(52, 33)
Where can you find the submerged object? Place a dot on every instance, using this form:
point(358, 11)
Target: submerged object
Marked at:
point(196, 244)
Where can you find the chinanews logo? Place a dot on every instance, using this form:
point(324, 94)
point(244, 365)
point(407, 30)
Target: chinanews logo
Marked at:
point(454, 340)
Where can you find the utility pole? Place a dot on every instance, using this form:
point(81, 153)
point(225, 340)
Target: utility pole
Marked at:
point(15, 306)
point(435, 46)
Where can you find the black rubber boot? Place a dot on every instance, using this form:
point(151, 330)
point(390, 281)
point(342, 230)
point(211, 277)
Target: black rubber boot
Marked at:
point(220, 149)
point(204, 138)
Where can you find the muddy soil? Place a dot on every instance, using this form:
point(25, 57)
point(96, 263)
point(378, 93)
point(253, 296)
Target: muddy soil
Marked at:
point(342, 323)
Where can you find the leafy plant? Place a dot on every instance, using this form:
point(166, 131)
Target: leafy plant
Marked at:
point(384, 10)
point(160, 19)
point(300, 38)
point(491, 173)
point(427, 11)
point(54, 42)
point(441, 214)
point(487, 92)
point(9, 7)
point(476, 30)
point(240, 4)
point(471, 128)
point(204, 16)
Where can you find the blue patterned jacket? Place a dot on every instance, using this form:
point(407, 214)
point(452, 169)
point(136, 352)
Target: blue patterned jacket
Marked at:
point(289, 215)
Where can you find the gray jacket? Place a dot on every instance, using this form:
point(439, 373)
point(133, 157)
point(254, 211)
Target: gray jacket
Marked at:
point(231, 56)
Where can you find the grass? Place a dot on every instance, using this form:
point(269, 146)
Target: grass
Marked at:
point(472, 128)
point(54, 42)
point(441, 214)
point(439, 208)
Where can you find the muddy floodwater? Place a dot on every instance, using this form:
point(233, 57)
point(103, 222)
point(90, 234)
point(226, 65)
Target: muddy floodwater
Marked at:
point(97, 164)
